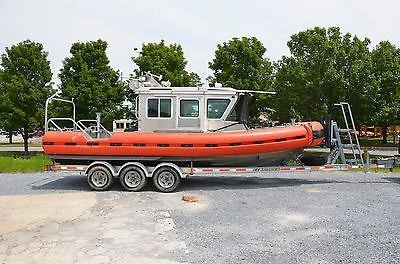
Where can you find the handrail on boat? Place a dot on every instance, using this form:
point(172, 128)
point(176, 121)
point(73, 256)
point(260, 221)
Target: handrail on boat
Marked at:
point(100, 126)
point(54, 97)
point(76, 125)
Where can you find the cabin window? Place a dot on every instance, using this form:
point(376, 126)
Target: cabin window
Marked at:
point(165, 108)
point(159, 107)
point(216, 107)
point(189, 108)
point(152, 108)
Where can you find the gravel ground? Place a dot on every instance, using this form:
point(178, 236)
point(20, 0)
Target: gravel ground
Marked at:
point(294, 218)
point(302, 217)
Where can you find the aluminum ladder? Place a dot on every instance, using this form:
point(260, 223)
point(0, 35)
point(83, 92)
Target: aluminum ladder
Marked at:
point(350, 133)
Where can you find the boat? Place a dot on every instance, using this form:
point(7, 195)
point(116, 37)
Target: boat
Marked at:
point(200, 126)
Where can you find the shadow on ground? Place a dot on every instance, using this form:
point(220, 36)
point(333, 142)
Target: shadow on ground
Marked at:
point(71, 183)
point(78, 183)
point(392, 179)
point(216, 183)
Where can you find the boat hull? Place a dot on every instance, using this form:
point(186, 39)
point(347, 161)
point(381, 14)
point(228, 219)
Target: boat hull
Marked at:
point(258, 147)
point(258, 160)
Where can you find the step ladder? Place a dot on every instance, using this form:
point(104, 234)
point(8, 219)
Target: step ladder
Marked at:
point(337, 139)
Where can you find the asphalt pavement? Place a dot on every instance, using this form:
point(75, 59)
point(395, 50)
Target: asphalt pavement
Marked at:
point(300, 217)
point(19, 149)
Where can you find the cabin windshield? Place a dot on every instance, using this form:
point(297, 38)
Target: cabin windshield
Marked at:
point(240, 111)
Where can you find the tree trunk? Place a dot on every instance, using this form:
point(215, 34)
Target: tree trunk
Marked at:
point(25, 136)
point(10, 134)
point(384, 134)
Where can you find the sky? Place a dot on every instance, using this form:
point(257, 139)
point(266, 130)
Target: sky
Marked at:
point(199, 26)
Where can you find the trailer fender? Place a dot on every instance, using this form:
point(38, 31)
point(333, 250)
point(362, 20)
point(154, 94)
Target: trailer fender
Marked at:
point(172, 165)
point(102, 163)
point(137, 164)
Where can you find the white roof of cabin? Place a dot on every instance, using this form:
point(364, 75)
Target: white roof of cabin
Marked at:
point(187, 90)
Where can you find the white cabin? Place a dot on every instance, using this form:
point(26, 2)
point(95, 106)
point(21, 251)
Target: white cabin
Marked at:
point(189, 109)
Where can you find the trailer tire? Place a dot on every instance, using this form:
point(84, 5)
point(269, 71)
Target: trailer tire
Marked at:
point(132, 178)
point(166, 179)
point(100, 178)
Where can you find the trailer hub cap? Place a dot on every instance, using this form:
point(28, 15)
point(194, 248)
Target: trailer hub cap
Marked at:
point(133, 179)
point(166, 179)
point(99, 178)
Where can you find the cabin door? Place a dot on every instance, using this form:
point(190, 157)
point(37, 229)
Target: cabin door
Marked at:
point(189, 114)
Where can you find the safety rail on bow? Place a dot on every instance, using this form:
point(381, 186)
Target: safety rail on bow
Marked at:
point(94, 130)
point(52, 122)
point(91, 132)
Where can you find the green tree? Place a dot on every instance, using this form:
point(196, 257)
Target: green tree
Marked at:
point(166, 60)
point(6, 119)
point(26, 77)
point(385, 100)
point(87, 77)
point(289, 84)
point(194, 79)
point(240, 64)
point(5, 105)
point(325, 67)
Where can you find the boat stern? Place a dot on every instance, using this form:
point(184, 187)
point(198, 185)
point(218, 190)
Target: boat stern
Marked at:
point(317, 133)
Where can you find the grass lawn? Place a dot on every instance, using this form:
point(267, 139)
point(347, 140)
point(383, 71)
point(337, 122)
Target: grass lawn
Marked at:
point(374, 169)
point(395, 170)
point(19, 162)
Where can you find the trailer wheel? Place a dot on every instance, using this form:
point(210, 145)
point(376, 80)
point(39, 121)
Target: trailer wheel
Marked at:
point(132, 178)
point(100, 178)
point(166, 179)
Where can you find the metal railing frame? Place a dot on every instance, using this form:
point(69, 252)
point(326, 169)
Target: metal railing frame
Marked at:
point(99, 126)
point(77, 125)
point(54, 98)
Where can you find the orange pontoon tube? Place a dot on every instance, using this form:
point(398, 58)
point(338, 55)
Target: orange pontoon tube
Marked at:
point(189, 145)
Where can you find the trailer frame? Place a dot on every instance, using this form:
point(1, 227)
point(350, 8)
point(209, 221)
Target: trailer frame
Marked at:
point(166, 176)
